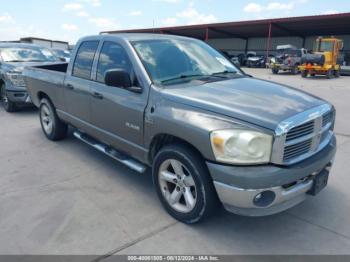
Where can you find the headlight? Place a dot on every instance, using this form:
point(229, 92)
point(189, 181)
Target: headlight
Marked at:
point(241, 146)
point(16, 78)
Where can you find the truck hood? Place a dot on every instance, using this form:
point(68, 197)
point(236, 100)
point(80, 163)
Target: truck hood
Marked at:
point(258, 102)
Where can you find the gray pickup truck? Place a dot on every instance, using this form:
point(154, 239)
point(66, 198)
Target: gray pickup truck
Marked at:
point(209, 132)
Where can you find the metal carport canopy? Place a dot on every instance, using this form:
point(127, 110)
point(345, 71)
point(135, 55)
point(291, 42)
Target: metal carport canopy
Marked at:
point(318, 25)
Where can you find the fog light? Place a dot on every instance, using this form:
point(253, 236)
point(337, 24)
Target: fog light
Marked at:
point(257, 197)
point(264, 199)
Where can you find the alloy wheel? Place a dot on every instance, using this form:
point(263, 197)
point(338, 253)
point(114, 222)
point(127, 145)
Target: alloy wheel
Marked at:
point(46, 119)
point(177, 186)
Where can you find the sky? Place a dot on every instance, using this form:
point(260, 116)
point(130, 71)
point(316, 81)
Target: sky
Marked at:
point(68, 20)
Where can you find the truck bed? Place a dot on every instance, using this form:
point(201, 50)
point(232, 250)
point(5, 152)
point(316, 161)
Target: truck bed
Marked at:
point(47, 79)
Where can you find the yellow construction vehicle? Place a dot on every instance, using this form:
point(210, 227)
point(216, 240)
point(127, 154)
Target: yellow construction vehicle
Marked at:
point(324, 60)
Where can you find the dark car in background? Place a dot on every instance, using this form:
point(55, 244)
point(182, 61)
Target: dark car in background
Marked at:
point(256, 61)
point(63, 55)
point(14, 57)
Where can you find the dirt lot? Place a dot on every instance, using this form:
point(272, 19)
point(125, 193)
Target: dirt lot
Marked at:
point(66, 198)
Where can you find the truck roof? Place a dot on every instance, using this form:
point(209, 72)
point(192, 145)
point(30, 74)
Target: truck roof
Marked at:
point(136, 36)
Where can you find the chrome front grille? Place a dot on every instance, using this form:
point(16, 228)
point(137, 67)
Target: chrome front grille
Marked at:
point(303, 135)
point(298, 149)
point(300, 131)
point(327, 118)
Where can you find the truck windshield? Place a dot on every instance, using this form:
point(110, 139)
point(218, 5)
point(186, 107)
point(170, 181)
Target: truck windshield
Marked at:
point(27, 54)
point(170, 61)
point(325, 46)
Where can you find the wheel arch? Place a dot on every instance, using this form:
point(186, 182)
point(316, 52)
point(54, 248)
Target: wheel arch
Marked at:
point(161, 140)
point(41, 95)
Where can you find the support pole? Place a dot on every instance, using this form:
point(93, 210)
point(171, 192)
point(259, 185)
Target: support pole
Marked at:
point(206, 34)
point(269, 41)
point(246, 46)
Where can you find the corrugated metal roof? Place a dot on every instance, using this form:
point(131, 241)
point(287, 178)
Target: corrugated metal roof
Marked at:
point(302, 26)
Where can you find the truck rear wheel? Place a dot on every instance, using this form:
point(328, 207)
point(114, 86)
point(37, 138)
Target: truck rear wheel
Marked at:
point(183, 184)
point(8, 105)
point(304, 73)
point(275, 71)
point(53, 128)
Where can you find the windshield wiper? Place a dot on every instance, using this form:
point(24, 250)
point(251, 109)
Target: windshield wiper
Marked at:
point(37, 60)
point(224, 73)
point(179, 77)
point(14, 61)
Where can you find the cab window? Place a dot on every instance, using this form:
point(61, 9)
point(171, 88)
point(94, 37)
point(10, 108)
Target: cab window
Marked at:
point(84, 59)
point(112, 56)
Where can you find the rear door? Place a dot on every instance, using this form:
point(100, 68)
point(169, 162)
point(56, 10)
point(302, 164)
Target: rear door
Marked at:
point(117, 112)
point(78, 82)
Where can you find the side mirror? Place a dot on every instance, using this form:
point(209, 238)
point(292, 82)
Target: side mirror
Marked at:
point(118, 78)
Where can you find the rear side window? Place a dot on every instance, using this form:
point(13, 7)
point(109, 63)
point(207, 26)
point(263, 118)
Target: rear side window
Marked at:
point(112, 56)
point(84, 59)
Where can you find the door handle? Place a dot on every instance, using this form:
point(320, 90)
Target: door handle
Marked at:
point(97, 95)
point(70, 87)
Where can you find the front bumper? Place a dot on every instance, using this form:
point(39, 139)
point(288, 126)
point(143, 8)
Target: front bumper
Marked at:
point(280, 188)
point(19, 97)
point(283, 66)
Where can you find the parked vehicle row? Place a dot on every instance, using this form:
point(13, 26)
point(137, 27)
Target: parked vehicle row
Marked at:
point(206, 129)
point(326, 59)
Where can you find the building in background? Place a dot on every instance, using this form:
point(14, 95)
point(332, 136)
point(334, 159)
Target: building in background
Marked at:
point(55, 44)
point(263, 36)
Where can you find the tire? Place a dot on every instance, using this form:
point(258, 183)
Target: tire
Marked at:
point(8, 105)
point(329, 74)
point(304, 73)
point(194, 195)
point(53, 128)
point(294, 71)
point(337, 73)
point(275, 71)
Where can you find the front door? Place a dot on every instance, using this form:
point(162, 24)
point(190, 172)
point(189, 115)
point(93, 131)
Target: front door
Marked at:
point(117, 112)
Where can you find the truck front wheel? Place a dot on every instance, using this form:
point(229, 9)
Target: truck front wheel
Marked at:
point(183, 184)
point(53, 128)
point(8, 105)
point(294, 70)
point(337, 73)
point(275, 71)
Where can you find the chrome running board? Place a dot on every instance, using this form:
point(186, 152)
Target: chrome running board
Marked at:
point(111, 152)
